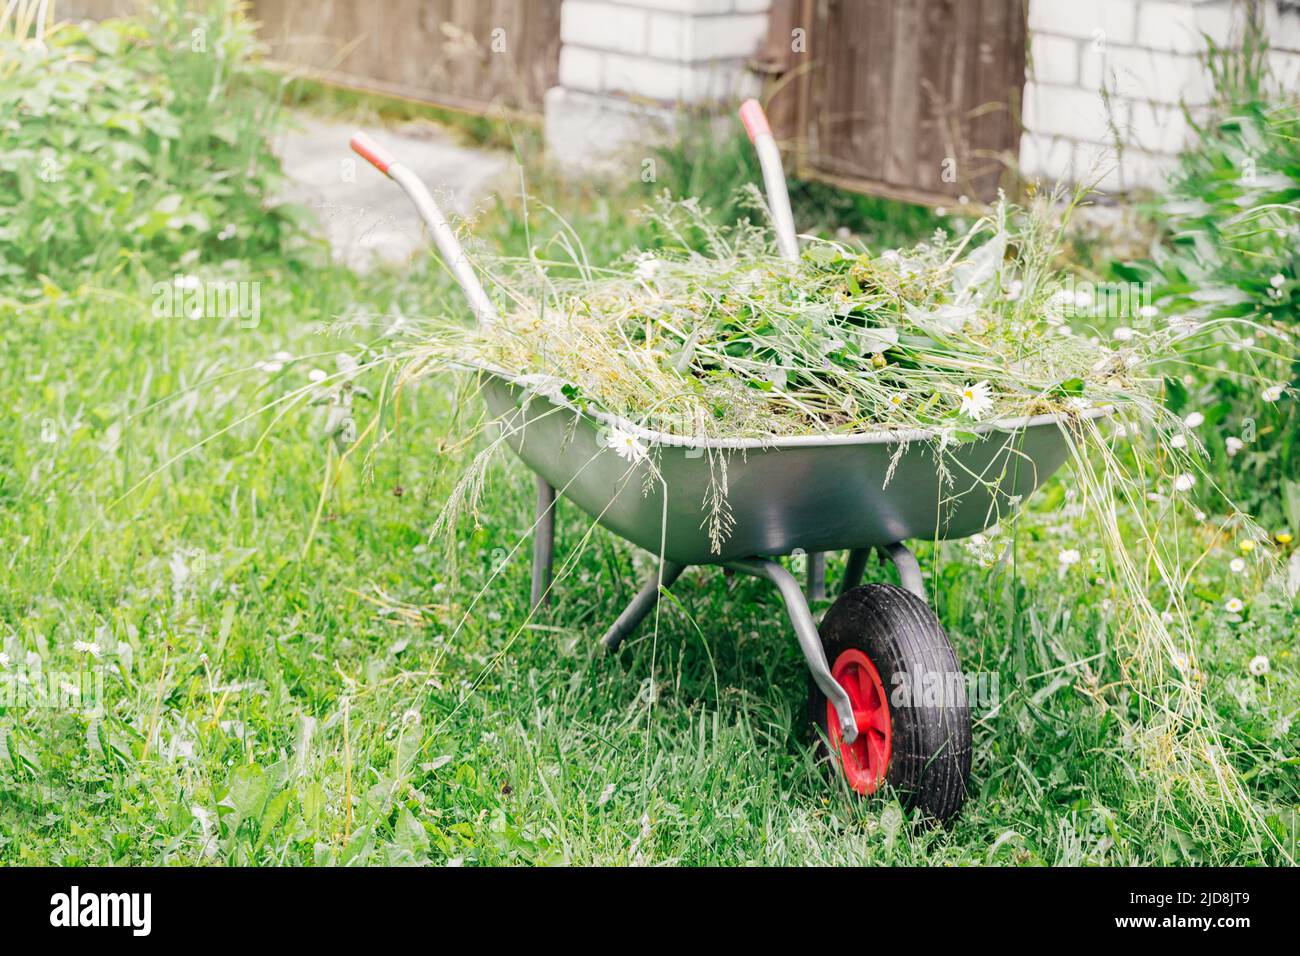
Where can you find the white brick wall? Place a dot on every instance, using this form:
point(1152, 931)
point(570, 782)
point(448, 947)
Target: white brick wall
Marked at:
point(625, 65)
point(1107, 81)
point(667, 50)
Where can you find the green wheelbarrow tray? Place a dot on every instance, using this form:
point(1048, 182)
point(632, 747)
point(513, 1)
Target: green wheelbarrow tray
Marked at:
point(790, 495)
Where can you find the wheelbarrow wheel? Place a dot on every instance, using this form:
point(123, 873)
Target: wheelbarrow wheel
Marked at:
point(888, 651)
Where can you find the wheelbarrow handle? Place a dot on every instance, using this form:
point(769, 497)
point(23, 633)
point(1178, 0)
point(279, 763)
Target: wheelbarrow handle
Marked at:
point(769, 159)
point(444, 236)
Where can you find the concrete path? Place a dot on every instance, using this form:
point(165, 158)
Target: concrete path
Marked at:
point(364, 215)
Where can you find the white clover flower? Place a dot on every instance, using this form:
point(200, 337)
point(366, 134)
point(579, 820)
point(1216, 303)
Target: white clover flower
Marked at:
point(1068, 558)
point(1277, 280)
point(1194, 420)
point(1234, 445)
point(1184, 482)
point(625, 444)
point(1123, 334)
point(1258, 665)
point(1273, 393)
point(1233, 605)
point(227, 233)
point(1237, 565)
point(976, 400)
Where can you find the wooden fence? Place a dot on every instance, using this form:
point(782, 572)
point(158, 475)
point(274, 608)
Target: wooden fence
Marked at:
point(917, 100)
point(468, 54)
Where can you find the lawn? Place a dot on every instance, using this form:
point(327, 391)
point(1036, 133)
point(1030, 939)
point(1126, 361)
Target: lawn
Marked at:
point(292, 669)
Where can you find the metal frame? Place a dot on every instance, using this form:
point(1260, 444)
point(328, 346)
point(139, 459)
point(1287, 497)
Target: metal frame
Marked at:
point(796, 606)
point(543, 544)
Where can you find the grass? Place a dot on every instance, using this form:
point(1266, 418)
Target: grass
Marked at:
point(253, 685)
point(298, 678)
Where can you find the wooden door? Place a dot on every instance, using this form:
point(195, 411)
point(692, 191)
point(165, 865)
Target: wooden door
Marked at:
point(915, 99)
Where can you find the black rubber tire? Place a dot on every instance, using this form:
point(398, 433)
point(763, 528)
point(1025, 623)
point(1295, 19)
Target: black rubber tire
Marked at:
point(930, 726)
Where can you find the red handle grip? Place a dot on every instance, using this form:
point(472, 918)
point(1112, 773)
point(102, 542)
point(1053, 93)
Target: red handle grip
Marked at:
point(755, 120)
point(372, 152)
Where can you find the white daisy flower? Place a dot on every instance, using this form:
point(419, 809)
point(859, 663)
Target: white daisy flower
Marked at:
point(1233, 605)
point(976, 400)
point(896, 400)
point(1184, 482)
point(1237, 565)
point(625, 444)
point(87, 647)
point(1258, 665)
point(1273, 393)
point(1234, 445)
point(1068, 558)
point(1181, 660)
point(1194, 420)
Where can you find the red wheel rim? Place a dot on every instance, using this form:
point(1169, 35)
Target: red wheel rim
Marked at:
point(865, 761)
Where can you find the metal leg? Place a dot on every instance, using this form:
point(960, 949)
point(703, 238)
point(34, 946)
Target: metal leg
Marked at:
point(543, 543)
point(810, 642)
point(855, 568)
point(641, 605)
point(817, 576)
point(909, 569)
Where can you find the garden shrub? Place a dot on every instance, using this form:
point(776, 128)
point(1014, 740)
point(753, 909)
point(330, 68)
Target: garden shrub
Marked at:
point(1231, 219)
point(136, 141)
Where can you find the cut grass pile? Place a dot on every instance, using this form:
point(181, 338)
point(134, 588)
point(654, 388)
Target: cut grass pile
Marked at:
point(714, 336)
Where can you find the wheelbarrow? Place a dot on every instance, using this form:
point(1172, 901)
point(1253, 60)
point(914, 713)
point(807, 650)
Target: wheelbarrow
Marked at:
point(886, 697)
